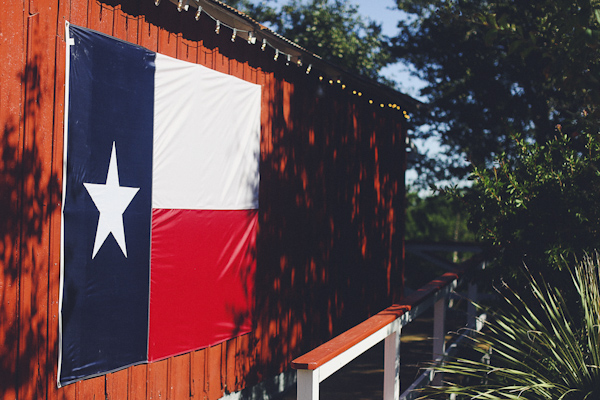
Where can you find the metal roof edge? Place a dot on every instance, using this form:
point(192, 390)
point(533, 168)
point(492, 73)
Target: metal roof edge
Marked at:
point(246, 25)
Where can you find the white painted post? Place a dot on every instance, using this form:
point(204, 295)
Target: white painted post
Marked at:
point(471, 310)
point(391, 366)
point(439, 333)
point(308, 384)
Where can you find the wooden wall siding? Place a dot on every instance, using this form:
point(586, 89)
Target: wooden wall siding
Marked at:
point(331, 204)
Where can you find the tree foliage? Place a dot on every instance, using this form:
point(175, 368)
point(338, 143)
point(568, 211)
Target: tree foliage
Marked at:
point(541, 206)
point(499, 68)
point(332, 29)
point(436, 218)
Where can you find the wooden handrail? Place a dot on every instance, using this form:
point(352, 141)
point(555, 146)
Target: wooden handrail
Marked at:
point(318, 364)
point(336, 346)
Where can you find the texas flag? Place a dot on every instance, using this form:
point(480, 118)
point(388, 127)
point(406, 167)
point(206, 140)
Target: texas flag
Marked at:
point(160, 202)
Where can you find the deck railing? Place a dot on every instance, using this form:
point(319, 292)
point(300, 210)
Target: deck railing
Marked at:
point(320, 363)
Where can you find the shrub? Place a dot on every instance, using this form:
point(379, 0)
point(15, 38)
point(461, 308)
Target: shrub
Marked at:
point(540, 207)
point(535, 349)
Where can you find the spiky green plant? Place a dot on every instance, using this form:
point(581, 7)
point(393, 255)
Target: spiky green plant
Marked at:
point(538, 347)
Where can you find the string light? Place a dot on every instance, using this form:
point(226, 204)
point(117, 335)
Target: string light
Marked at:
point(252, 39)
point(182, 5)
point(157, 3)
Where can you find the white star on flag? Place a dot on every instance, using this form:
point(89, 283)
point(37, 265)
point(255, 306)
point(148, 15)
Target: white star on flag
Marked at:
point(111, 200)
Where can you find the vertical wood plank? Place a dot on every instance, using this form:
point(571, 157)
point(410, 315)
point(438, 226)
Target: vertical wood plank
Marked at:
point(91, 389)
point(179, 382)
point(220, 62)
point(12, 52)
point(138, 382)
point(213, 372)
point(157, 380)
point(148, 31)
point(78, 12)
point(38, 186)
point(126, 25)
point(57, 158)
point(101, 17)
point(117, 385)
point(230, 378)
point(167, 38)
point(198, 374)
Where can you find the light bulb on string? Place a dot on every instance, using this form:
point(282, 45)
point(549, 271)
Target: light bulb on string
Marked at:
point(264, 45)
point(198, 13)
point(157, 3)
point(276, 55)
point(289, 59)
point(308, 69)
point(218, 27)
point(234, 35)
point(251, 38)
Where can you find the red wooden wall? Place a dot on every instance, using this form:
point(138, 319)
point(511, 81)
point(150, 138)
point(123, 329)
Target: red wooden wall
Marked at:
point(330, 247)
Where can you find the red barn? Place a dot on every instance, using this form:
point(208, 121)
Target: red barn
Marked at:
point(329, 244)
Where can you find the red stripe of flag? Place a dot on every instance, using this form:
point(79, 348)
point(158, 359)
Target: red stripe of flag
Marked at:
point(201, 292)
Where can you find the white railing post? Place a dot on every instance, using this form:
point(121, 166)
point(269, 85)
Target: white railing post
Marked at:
point(474, 321)
point(391, 366)
point(308, 384)
point(471, 310)
point(439, 334)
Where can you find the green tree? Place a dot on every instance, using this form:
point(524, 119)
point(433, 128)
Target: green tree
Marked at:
point(436, 218)
point(498, 68)
point(540, 207)
point(333, 29)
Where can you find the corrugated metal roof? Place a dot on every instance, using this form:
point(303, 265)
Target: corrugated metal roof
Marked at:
point(246, 25)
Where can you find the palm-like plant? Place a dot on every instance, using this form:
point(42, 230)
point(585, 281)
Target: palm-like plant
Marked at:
point(540, 348)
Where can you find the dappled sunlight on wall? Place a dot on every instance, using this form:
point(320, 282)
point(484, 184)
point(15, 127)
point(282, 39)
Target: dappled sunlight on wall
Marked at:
point(329, 246)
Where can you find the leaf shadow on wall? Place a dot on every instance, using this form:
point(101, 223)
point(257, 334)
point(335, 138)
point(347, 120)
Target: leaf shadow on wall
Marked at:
point(329, 244)
point(30, 197)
